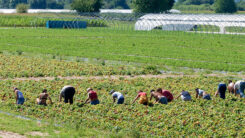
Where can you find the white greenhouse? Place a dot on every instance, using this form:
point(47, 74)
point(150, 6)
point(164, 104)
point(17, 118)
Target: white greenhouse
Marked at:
point(186, 22)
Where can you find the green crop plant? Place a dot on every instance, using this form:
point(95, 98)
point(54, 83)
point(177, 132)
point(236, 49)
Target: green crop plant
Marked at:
point(220, 118)
point(179, 49)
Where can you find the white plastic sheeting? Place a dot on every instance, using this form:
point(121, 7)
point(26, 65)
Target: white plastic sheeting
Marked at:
point(151, 21)
point(38, 10)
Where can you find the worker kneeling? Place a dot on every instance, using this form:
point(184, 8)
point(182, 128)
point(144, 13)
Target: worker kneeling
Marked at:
point(118, 96)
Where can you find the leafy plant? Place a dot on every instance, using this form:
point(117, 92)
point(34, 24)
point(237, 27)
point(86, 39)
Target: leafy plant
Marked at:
point(22, 8)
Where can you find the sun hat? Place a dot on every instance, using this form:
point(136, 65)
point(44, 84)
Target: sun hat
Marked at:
point(89, 89)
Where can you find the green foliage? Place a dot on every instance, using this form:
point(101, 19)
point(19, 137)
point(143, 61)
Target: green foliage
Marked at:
point(167, 48)
point(4, 4)
point(38, 4)
point(14, 123)
point(14, 3)
point(195, 2)
point(34, 21)
point(38, 67)
point(116, 4)
point(215, 118)
point(35, 4)
point(225, 6)
point(22, 8)
point(86, 5)
point(202, 7)
point(53, 4)
point(241, 6)
point(152, 6)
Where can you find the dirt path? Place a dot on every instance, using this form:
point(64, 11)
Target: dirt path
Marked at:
point(119, 76)
point(5, 134)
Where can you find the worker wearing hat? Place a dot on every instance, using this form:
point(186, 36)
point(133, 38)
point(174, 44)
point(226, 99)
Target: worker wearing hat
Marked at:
point(118, 96)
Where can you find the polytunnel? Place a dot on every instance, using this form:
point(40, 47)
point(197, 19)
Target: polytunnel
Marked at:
point(186, 22)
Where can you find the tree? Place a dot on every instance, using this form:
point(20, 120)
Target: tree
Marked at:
point(152, 6)
point(53, 4)
point(37, 4)
point(22, 8)
point(241, 6)
point(14, 3)
point(118, 4)
point(86, 5)
point(225, 6)
point(4, 4)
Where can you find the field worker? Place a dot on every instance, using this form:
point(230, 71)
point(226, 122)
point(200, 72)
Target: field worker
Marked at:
point(42, 100)
point(201, 93)
point(185, 96)
point(118, 96)
point(231, 87)
point(239, 88)
point(143, 98)
point(166, 93)
point(159, 97)
point(221, 90)
point(67, 93)
point(19, 96)
point(92, 97)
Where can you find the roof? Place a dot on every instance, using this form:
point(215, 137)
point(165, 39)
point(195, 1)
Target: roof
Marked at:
point(150, 21)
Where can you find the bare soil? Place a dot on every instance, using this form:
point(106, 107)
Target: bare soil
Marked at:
point(5, 134)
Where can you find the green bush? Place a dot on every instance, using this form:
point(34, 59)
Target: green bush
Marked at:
point(22, 8)
point(202, 7)
point(225, 6)
point(86, 5)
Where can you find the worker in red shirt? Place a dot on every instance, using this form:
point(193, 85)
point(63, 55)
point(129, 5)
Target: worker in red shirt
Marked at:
point(143, 98)
point(166, 93)
point(92, 97)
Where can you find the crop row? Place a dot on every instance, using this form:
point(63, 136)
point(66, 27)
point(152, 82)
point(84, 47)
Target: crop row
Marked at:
point(215, 52)
point(37, 21)
point(19, 66)
point(218, 118)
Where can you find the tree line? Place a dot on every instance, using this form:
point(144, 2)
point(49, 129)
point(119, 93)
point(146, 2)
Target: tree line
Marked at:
point(61, 4)
point(219, 6)
point(142, 6)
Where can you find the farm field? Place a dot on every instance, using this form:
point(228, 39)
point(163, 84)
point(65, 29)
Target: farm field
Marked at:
point(13, 66)
point(178, 49)
point(220, 118)
point(12, 126)
point(108, 58)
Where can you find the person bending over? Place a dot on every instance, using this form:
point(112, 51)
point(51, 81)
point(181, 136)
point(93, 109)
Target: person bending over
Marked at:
point(221, 90)
point(19, 96)
point(159, 97)
point(185, 96)
point(239, 88)
point(201, 93)
point(231, 87)
point(92, 97)
point(42, 100)
point(167, 94)
point(67, 93)
point(117, 96)
point(143, 98)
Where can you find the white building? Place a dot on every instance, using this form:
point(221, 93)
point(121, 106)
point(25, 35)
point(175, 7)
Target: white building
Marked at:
point(185, 22)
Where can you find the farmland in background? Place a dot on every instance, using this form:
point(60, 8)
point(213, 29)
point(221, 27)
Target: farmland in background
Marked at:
point(33, 58)
point(179, 49)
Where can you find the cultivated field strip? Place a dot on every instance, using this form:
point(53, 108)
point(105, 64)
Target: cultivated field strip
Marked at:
point(118, 77)
point(214, 52)
point(195, 118)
